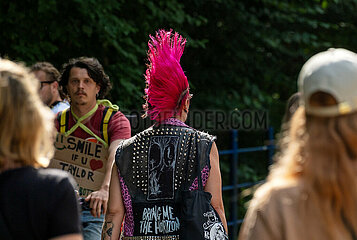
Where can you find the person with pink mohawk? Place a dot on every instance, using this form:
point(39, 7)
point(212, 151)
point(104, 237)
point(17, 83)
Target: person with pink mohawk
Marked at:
point(167, 86)
point(155, 167)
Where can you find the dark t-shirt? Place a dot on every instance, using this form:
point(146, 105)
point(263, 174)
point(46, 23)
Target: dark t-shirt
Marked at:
point(38, 203)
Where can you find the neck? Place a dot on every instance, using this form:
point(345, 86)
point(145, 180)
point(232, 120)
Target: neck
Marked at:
point(182, 118)
point(7, 165)
point(81, 110)
point(56, 99)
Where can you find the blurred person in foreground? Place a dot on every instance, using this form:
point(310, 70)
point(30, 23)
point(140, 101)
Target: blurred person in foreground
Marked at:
point(311, 190)
point(291, 106)
point(155, 165)
point(50, 91)
point(35, 203)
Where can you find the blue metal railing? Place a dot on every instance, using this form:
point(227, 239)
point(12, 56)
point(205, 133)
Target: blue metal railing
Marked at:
point(233, 221)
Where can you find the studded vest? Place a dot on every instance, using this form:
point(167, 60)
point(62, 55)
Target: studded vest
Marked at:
point(154, 166)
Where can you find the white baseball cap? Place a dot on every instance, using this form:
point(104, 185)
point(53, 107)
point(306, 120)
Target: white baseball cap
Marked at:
point(334, 72)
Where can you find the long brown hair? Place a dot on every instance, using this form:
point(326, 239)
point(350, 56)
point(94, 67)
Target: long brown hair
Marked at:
point(320, 153)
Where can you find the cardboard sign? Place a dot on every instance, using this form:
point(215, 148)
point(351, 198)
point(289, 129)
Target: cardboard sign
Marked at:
point(84, 160)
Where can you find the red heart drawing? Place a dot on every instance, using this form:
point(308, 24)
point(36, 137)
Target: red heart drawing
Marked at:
point(95, 164)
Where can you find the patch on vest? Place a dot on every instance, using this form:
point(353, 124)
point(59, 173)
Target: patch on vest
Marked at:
point(161, 167)
point(157, 220)
point(213, 228)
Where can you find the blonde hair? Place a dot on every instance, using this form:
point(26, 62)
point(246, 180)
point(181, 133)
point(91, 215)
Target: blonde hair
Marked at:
point(26, 125)
point(321, 154)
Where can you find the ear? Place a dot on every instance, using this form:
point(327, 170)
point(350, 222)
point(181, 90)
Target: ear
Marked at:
point(98, 88)
point(54, 85)
point(187, 104)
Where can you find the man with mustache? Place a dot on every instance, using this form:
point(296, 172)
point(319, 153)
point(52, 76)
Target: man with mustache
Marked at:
point(84, 81)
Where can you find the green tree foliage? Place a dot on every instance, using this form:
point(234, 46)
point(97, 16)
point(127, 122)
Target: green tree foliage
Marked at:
point(115, 32)
point(255, 49)
point(240, 54)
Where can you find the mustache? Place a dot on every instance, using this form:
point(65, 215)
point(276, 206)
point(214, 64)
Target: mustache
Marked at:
point(80, 92)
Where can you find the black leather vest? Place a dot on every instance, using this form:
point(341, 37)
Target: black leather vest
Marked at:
point(156, 165)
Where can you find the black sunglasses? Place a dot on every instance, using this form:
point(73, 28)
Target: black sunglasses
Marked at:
point(42, 83)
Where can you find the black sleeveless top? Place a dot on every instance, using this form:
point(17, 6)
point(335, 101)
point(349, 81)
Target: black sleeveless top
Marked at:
point(154, 166)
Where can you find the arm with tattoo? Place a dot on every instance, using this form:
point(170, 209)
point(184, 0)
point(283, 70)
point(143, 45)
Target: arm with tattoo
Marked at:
point(115, 212)
point(107, 230)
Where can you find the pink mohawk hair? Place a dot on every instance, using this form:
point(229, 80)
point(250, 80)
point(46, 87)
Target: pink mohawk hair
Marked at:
point(167, 87)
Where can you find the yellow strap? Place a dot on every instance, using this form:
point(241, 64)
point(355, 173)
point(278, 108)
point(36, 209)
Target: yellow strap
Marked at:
point(84, 127)
point(107, 103)
point(112, 107)
point(63, 121)
point(79, 123)
point(105, 124)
